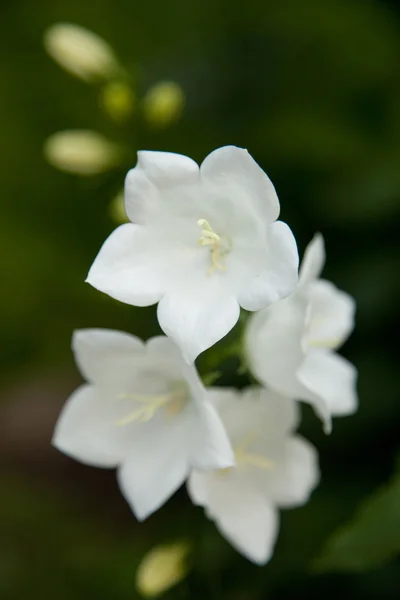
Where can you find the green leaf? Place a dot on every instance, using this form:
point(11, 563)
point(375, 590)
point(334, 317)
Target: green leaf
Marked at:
point(371, 538)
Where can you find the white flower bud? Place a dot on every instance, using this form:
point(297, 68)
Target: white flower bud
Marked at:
point(83, 152)
point(80, 51)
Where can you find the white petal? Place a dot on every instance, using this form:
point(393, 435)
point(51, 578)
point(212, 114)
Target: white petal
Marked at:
point(164, 450)
point(273, 346)
point(258, 411)
point(196, 316)
point(279, 277)
point(162, 168)
point(156, 466)
point(242, 514)
point(330, 315)
point(87, 428)
point(332, 379)
point(146, 185)
point(164, 353)
point(251, 526)
point(234, 168)
point(105, 356)
point(197, 486)
point(141, 196)
point(276, 414)
point(313, 260)
point(211, 448)
point(296, 474)
point(133, 267)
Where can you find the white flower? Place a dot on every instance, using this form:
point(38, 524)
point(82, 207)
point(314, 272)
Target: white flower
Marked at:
point(202, 242)
point(143, 410)
point(274, 468)
point(290, 344)
point(80, 51)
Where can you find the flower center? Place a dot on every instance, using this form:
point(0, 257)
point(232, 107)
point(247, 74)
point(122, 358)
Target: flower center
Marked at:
point(323, 342)
point(218, 248)
point(245, 458)
point(173, 403)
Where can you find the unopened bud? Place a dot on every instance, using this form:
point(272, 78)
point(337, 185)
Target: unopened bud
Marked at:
point(162, 568)
point(118, 100)
point(81, 52)
point(83, 152)
point(163, 103)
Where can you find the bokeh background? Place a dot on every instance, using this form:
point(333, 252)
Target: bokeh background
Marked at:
point(312, 89)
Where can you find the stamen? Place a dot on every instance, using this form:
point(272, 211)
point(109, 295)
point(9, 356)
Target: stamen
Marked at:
point(210, 238)
point(329, 343)
point(251, 458)
point(173, 402)
point(254, 460)
point(146, 412)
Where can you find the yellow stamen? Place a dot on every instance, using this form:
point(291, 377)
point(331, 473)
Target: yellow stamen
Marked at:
point(146, 412)
point(210, 238)
point(251, 458)
point(329, 343)
point(254, 460)
point(173, 402)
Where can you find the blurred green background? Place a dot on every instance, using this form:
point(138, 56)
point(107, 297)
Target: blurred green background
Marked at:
point(312, 89)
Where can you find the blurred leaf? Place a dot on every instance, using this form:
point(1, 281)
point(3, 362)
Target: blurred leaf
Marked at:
point(371, 538)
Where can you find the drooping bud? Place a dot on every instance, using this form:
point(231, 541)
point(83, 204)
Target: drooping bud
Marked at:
point(163, 103)
point(81, 52)
point(83, 152)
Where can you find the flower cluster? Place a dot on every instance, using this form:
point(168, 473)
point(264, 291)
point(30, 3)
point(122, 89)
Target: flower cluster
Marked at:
point(204, 242)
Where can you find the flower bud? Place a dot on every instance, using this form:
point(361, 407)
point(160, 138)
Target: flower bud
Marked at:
point(118, 100)
point(80, 51)
point(162, 568)
point(163, 103)
point(83, 152)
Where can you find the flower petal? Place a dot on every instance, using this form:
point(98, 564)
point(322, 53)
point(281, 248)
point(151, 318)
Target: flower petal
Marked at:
point(242, 514)
point(330, 315)
point(233, 167)
point(147, 185)
point(296, 475)
point(332, 379)
point(156, 466)
point(163, 451)
point(105, 356)
point(164, 168)
point(258, 411)
point(211, 448)
point(198, 314)
point(279, 277)
point(273, 346)
point(133, 267)
point(251, 526)
point(313, 260)
point(163, 352)
point(87, 429)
